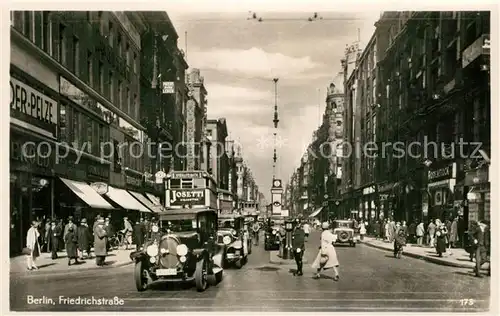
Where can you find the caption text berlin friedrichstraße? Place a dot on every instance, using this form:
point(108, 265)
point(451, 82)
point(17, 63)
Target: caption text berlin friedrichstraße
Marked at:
point(79, 300)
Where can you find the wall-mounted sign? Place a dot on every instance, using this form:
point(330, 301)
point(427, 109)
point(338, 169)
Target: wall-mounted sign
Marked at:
point(100, 187)
point(32, 106)
point(181, 197)
point(186, 175)
point(29, 156)
point(447, 172)
point(168, 87)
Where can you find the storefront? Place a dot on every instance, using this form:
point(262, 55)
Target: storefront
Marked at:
point(368, 208)
point(441, 179)
point(76, 171)
point(33, 125)
point(477, 186)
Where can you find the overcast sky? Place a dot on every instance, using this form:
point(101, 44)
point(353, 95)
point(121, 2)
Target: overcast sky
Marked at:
point(239, 58)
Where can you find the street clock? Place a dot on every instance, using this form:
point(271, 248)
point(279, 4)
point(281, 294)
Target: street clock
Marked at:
point(276, 203)
point(277, 183)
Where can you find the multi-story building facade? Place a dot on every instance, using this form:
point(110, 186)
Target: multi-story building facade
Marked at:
point(219, 162)
point(80, 74)
point(196, 111)
point(435, 74)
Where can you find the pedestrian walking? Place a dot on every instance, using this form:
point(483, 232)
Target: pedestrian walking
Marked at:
point(454, 233)
point(84, 237)
point(327, 256)
point(462, 236)
point(392, 230)
point(441, 237)
point(431, 231)
point(362, 230)
point(307, 230)
point(127, 232)
point(32, 246)
point(47, 236)
point(298, 244)
point(67, 227)
point(109, 231)
point(100, 242)
point(412, 232)
point(481, 234)
point(71, 242)
point(139, 233)
point(420, 231)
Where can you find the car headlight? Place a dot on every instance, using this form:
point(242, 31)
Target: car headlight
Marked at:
point(274, 232)
point(233, 232)
point(226, 240)
point(154, 229)
point(238, 244)
point(181, 250)
point(152, 250)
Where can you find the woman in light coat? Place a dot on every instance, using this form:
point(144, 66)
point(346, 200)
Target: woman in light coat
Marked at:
point(327, 256)
point(33, 245)
point(362, 230)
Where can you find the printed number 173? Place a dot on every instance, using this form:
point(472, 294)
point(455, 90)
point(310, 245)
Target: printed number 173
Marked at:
point(467, 302)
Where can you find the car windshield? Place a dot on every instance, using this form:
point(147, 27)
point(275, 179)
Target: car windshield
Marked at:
point(344, 224)
point(180, 225)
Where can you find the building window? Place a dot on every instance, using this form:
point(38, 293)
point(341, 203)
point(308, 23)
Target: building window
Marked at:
point(127, 101)
point(28, 25)
point(119, 44)
point(110, 33)
point(76, 56)
point(134, 60)
point(75, 129)
point(38, 26)
point(127, 54)
point(63, 136)
point(120, 91)
point(90, 72)
point(89, 134)
point(62, 45)
point(100, 70)
point(136, 106)
point(111, 87)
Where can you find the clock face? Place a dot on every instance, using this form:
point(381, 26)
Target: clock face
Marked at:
point(277, 203)
point(277, 183)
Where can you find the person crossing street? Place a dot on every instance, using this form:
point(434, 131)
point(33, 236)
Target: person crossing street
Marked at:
point(298, 240)
point(255, 231)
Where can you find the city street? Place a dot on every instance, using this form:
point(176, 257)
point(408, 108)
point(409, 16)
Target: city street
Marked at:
point(370, 280)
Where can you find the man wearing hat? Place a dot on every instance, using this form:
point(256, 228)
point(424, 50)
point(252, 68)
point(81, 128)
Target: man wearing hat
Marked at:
point(68, 225)
point(127, 231)
point(84, 237)
point(54, 234)
point(298, 240)
point(100, 242)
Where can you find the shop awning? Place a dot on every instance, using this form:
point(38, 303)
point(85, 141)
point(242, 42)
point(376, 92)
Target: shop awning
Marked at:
point(154, 199)
point(87, 194)
point(144, 200)
point(126, 200)
point(315, 213)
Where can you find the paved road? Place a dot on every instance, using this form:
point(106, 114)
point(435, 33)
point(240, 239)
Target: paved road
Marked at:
point(371, 280)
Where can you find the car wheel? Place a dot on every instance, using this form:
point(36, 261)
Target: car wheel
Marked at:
point(238, 264)
point(200, 275)
point(141, 281)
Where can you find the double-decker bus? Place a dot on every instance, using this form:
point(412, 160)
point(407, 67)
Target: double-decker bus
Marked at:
point(190, 189)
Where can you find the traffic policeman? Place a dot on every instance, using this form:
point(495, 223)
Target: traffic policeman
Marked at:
point(255, 230)
point(298, 241)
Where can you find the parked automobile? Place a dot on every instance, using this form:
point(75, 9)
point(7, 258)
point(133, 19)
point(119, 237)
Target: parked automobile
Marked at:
point(182, 249)
point(232, 238)
point(343, 232)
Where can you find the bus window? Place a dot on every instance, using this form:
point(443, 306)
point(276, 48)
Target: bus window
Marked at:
point(175, 183)
point(186, 183)
point(198, 183)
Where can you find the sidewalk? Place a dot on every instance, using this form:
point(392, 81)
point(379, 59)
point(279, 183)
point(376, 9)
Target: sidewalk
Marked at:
point(458, 257)
point(46, 265)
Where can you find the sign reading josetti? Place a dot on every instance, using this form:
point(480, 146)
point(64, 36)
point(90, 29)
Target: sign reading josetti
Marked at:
point(180, 197)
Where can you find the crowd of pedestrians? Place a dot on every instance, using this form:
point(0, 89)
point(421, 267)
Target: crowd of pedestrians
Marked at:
point(53, 236)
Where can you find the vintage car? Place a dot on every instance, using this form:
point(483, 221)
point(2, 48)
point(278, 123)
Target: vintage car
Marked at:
point(234, 241)
point(182, 249)
point(343, 232)
point(272, 237)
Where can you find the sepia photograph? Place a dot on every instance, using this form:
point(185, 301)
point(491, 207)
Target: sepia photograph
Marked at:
point(238, 159)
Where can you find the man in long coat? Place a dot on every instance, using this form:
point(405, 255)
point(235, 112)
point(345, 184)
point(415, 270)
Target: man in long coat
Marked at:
point(100, 242)
point(55, 233)
point(298, 240)
point(481, 235)
point(84, 236)
point(454, 233)
point(139, 233)
point(68, 225)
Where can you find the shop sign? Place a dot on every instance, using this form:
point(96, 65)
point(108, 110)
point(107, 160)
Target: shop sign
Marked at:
point(100, 187)
point(369, 190)
point(385, 187)
point(34, 157)
point(133, 181)
point(186, 175)
point(32, 106)
point(168, 87)
point(181, 197)
point(226, 205)
point(83, 169)
point(441, 173)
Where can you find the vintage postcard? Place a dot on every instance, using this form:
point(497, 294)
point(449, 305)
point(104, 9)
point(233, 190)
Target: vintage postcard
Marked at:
point(222, 159)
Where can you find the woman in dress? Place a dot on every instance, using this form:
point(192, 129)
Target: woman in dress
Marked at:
point(441, 237)
point(33, 246)
point(327, 256)
point(71, 240)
